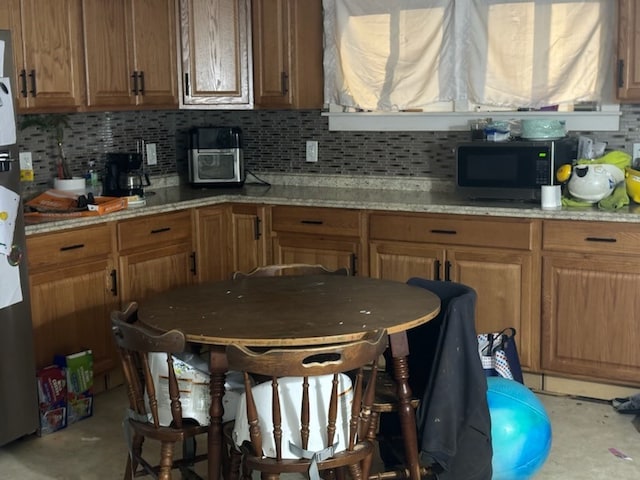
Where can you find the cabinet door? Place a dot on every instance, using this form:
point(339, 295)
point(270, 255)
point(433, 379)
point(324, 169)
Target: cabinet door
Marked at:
point(248, 239)
point(504, 282)
point(333, 253)
point(156, 254)
point(401, 261)
point(154, 37)
point(70, 310)
point(287, 53)
point(590, 306)
point(5, 16)
point(215, 55)
point(47, 40)
point(628, 74)
point(107, 33)
point(272, 53)
point(211, 244)
point(154, 271)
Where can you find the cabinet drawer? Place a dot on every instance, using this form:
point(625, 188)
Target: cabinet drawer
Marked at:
point(453, 230)
point(153, 230)
point(327, 221)
point(578, 236)
point(69, 246)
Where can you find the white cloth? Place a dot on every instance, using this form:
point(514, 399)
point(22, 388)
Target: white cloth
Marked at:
point(290, 391)
point(387, 56)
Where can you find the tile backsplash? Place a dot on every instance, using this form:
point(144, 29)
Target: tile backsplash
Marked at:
point(274, 142)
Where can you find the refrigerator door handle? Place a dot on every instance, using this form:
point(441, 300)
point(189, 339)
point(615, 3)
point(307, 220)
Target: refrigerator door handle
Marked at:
point(5, 161)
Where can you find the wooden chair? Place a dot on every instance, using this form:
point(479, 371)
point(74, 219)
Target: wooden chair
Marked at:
point(290, 269)
point(305, 403)
point(134, 343)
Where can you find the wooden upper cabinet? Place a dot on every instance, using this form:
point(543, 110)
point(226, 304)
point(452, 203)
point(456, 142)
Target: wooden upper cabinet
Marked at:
point(5, 19)
point(154, 37)
point(48, 54)
point(287, 53)
point(628, 66)
point(130, 52)
point(215, 53)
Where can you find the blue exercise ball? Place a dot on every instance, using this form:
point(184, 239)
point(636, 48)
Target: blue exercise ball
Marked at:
point(520, 430)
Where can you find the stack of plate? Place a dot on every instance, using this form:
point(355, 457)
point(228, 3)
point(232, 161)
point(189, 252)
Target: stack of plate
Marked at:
point(542, 129)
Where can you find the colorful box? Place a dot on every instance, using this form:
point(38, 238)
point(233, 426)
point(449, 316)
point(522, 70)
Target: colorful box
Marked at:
point(79, 374)
point(52, 399)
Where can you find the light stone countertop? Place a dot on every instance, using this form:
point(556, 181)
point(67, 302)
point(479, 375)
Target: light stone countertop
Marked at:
point(389, 194)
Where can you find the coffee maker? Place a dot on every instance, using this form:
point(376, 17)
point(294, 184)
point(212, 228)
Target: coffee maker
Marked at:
point(123, 176)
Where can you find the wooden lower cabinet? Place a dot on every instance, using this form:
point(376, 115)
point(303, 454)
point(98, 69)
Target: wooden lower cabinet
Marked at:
point(590, 310)
point(211, 246)
point(402, 260)
point(72, 287)
point(505, 279)
point(230, 238)
point(508, 291)
point(590, 301)
point(570, 288)
point(154, 271)
point(155, 254)
point(248, 247)
point(330, 237)
point(332, 253)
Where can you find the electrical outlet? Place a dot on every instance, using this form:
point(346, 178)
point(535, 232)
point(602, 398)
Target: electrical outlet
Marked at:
point(26, 166)
point(312, 151)
point(26, 161)
point(152, 159)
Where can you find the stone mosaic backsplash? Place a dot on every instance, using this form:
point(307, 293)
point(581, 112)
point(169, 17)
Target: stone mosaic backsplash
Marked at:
point(274, 142)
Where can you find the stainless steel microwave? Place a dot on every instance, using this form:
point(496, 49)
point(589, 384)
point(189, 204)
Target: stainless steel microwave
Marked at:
point(511, 170)
point(215, 156)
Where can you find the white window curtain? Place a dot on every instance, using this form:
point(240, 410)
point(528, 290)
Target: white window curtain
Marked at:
point(383, 55)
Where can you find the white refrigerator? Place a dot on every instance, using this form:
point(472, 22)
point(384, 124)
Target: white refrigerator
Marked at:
point(18, 392)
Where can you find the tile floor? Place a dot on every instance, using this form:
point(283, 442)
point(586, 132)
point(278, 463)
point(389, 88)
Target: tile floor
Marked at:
point(583, 432)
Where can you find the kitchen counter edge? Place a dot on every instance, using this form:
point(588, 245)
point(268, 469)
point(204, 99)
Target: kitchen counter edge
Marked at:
point(184, 197)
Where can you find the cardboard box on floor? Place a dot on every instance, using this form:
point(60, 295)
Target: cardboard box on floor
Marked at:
point(52, 399)
point(78, 369)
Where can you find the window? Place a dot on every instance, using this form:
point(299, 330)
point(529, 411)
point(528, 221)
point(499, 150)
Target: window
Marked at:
point(468, 55)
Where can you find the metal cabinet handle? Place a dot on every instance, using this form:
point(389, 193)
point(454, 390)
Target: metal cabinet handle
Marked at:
point(72, 247)
point(32, 75)
point(141, 78)
point(600, 239)
point(114, 283)
point(447, 271)
point(134, 83)
point(193, 263)
point(444, 232)
point(284, 83)
point(312, 222)
point(620, 73)
point(354, 264)
point(258, 234)
point(160, 230)
point(436, 270)
point(23, 82)
point(186, 84)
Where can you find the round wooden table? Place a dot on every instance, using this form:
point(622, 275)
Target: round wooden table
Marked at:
point(288, 311)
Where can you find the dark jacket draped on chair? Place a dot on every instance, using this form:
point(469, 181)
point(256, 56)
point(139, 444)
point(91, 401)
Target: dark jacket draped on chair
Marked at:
point(445, 372)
